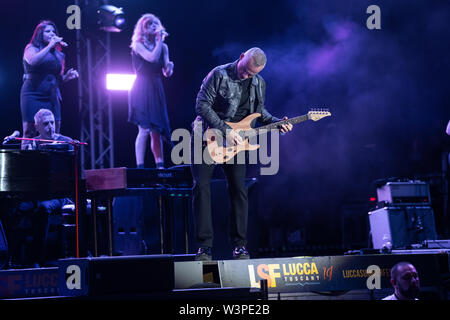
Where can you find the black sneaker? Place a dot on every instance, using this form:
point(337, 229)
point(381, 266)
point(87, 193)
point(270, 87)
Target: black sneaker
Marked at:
point(204, 254)
point(240, 253)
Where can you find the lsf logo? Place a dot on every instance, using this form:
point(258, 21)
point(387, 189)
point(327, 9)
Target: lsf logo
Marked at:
point(73, 273)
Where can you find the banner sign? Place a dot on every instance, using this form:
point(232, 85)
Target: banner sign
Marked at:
point(24, 283)
point(326, 273)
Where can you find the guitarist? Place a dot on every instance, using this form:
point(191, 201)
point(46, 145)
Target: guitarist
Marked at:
point(228, 93)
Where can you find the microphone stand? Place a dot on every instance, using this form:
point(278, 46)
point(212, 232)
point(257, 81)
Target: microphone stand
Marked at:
point(76, 144)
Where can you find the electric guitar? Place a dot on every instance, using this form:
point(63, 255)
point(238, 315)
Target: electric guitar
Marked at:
point(221, 153)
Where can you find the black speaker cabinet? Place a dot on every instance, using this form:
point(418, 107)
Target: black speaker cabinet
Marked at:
point(139, 220)
point(136, 222)
point(105, 276)
point(128, 225)
point(401, 226)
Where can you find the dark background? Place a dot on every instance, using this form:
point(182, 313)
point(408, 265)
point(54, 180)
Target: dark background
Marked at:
point(387, 91)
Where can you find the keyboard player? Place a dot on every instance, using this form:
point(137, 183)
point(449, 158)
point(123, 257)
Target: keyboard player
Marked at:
point(31, 218)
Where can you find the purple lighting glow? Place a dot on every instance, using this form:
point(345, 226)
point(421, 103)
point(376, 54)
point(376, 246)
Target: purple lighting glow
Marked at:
point(124, 82)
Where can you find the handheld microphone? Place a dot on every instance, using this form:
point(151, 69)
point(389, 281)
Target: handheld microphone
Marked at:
point(163, 32)
point(11, 137)
point(60, 42)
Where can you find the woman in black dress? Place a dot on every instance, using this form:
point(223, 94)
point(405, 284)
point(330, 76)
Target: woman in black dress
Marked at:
point(43, 64)
point(147, 101)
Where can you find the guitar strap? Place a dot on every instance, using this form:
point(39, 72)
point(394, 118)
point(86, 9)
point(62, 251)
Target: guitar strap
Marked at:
point(258, 100)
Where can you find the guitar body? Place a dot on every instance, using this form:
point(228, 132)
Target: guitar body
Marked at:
point(244, 124)
point(215, 142)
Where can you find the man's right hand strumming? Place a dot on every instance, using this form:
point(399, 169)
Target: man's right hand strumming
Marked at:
point(234, 138)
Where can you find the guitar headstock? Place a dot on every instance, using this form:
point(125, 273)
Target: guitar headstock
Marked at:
point(317, 114)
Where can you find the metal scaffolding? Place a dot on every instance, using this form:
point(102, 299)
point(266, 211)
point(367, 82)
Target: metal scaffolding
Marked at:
point(94, 100)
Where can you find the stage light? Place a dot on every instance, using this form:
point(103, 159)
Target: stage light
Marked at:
point(124, 82)
point(111, 18)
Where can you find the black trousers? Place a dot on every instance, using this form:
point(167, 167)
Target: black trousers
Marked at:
point(29, 230)
point(203, 208)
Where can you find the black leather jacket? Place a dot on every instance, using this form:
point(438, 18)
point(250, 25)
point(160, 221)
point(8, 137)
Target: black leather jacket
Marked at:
point(219, 97)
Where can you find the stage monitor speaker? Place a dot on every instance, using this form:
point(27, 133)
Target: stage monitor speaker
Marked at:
point(401, 226)
point(128, 225)
point(105, 276)
point(136, 224)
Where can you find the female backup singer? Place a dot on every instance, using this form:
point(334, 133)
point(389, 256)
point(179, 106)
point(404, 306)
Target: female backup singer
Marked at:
point(147, 102)
point(43, 64)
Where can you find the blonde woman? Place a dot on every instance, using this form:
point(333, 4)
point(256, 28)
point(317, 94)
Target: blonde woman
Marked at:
point(147, 102)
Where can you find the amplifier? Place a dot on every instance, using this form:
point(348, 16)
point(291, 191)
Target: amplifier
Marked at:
point(402, 226)
point(405, 193)
point(437, 244)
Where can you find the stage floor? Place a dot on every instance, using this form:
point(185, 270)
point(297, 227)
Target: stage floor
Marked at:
point(178, 277)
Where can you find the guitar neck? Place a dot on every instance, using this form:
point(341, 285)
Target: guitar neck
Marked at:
point(276, 125)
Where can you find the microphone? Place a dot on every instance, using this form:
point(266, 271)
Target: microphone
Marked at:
point(11, 137)
point(163, 32)
point(64, 44)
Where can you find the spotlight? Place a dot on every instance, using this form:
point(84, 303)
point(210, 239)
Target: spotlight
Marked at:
point(116, 81)
point(111, 18)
